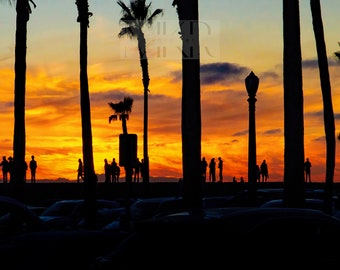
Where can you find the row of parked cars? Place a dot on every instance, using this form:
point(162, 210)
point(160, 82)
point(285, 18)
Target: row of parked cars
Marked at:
point(149, 232)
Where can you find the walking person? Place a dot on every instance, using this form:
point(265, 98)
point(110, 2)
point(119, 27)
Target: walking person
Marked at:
point(33, 167)
point(80, 171)
point(307, 167)
point(264, 171)
point(220, 168)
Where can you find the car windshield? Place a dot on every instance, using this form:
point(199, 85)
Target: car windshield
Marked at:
point(60, 209)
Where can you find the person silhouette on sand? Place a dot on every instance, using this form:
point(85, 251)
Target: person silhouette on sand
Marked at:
point(33, 168)
point(212, 170)
point(307, 166)
point(80, 171)
point(264, 171)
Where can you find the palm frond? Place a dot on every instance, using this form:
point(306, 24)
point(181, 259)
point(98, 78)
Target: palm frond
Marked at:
point(112, 117)
point(154, 15)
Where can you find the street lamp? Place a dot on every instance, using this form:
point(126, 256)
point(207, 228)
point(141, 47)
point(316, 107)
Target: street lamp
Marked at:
point(252, 83)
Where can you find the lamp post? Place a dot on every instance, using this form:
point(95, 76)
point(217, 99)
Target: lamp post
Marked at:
point(252, 83)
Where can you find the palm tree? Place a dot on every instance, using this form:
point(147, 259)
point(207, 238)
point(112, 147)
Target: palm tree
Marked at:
point(127, 150)
point(90, 178)
point(121, 109)
point(328, 115)
point(23, 10)
point(127, 145)
point(293, 106)
point(135, 17)
point(191, 101)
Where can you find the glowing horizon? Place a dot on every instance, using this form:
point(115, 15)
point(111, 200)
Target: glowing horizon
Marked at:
point(232, 47)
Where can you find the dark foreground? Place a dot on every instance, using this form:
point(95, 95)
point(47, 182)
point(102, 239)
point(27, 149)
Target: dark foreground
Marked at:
point(47, 192)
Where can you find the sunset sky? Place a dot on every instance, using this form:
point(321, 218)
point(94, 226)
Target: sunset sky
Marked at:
point(236, 37)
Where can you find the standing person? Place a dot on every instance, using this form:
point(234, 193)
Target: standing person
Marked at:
point(4, 164)
point(33, 168)
point(212, 170)
point(220, 169)
point(80, 170)
point(204, 166)
point(114, 170)
point(136, 171)
point(107, 171)
point(264, 171)
point(307, 166)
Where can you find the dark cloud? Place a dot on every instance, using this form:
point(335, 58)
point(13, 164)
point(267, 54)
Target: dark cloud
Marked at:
point(313, 63)
point(241, 133)
point(273, 131)
point(217, 72)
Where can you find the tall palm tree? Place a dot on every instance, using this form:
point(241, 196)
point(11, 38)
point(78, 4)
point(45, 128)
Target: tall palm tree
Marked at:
point(23, 10)
point(90, 177)
point(191, 101)
point(293, 106)
point(328, 115)
point(135, 17)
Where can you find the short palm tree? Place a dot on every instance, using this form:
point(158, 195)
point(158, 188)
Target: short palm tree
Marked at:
point(23, 10)
point(90, 178)
point(121, 109)
point(135, 17)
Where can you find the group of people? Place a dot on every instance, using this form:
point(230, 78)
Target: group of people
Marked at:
point(112, 171)
point(212, 169)
point(262, 173)
point(7, 169)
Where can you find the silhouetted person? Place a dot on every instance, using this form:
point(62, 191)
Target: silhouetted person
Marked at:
point(114, 170)
point(107, 171)
point(307, 166)
point(264, 171)
point(80, 171)
point(220, 168)
point(136, 171)
point(212, 170)
point(4, 165)
point(241, 180)
point(234, 179)
point(204, 166)
point(258, 173)
point(33, 168)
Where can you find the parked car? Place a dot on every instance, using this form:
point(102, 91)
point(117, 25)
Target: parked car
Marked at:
point(68, 214)
point(145, 208)
point(17, 218)
point(237, 237)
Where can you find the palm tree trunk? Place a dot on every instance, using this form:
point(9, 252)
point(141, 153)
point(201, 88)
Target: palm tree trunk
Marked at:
point(293, 107)
point(90, 178)
point(191, 102)
point(19, 140)
point(329, 124)
point(146, 80)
